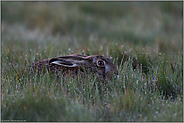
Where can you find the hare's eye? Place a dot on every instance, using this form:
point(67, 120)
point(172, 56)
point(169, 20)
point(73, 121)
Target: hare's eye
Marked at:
point(100, 63)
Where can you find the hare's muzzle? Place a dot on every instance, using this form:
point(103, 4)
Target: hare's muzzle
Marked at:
point(112, 74)
point(117, 76)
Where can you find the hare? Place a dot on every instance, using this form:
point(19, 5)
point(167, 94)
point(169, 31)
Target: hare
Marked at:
point(75, 63)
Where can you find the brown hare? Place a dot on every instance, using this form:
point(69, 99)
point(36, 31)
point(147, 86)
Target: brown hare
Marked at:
point(75, 63)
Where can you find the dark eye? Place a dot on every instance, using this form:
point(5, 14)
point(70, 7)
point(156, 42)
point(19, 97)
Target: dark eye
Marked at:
point(100, 63)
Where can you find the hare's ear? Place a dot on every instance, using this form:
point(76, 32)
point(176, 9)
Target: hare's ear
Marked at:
point(88, 58)
point(61, 62)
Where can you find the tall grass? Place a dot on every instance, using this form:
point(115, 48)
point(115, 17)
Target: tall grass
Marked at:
point(143, 39)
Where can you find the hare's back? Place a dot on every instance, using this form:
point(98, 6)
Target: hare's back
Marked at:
point(40, 65)
point(43, 65)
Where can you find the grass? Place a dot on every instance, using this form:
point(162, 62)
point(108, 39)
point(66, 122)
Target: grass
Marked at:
point(143, 39)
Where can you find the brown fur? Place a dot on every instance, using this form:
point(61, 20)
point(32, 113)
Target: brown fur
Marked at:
point(75, 64)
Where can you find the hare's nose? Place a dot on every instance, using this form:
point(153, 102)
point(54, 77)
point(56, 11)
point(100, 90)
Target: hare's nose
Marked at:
point(117, 76)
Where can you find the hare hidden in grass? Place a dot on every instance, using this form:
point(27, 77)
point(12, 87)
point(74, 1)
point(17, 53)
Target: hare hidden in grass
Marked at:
point(78, 64)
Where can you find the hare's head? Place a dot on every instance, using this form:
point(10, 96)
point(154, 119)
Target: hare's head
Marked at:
point(95, 63)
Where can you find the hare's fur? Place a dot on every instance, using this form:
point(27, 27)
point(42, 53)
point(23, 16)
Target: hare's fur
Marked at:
point(74, 64)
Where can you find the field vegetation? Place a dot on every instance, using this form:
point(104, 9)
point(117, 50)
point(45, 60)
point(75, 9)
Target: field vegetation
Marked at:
point(143, 39)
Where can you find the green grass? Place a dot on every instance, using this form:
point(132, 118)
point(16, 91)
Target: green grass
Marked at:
point(143, 39)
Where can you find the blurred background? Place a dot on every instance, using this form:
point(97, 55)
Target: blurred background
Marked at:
point(79, 26)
